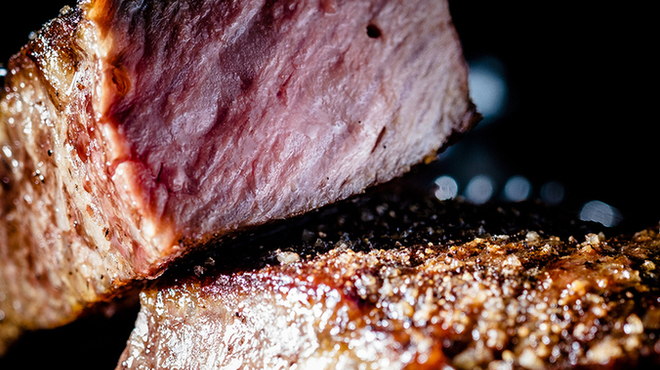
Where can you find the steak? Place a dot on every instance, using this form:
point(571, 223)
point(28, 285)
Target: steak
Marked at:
point(400, 284)
point(135, 131)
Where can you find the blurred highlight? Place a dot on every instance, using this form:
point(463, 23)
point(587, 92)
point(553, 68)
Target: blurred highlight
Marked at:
point(600, 212)
point(517, 189)
point(488, 88)
point(446, 188)
point(480, 189)
point(552, 192)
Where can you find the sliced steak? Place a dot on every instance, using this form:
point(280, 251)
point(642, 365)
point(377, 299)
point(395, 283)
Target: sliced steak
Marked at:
point(519, 301)
point(132, 131)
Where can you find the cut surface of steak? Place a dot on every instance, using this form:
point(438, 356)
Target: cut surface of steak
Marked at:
point(521, 301)
point(132, 131)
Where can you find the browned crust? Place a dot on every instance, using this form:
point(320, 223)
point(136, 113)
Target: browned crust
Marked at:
point(525, 301)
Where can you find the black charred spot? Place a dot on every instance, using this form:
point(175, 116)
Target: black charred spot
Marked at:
point(373, 31)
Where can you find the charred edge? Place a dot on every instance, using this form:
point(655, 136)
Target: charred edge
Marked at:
point(56, 36)
point(58, 31)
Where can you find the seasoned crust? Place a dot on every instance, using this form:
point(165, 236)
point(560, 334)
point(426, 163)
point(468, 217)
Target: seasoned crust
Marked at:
point(522, 302)
point(391, 280)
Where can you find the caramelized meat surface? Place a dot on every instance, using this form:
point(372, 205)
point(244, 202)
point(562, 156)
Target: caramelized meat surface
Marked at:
point(133, 131)
point(393, 283)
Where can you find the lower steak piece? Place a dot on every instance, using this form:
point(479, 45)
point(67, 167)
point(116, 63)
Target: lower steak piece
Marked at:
point(133, 131)
point(520, 301)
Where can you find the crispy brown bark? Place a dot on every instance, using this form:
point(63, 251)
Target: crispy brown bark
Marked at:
point(523, 301)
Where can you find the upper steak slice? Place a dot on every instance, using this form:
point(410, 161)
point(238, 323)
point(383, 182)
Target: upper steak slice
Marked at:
point(132, 130)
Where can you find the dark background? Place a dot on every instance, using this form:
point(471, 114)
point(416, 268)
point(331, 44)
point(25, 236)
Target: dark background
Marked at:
point(581, 111)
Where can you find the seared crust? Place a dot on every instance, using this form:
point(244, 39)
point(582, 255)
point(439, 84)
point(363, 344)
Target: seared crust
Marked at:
point(530, 302)
point(393, 291)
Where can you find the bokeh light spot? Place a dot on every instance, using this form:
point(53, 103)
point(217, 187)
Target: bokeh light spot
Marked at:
point(446, 188)
point(552, 192)
point(480, 189)
point(488, 87)
point(600, 212)
point(517, 189)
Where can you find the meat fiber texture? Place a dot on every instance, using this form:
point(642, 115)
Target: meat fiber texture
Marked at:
point(520, 301)
point(134, 131)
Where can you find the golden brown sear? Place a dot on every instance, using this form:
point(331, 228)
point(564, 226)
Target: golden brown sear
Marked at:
point(522, 301)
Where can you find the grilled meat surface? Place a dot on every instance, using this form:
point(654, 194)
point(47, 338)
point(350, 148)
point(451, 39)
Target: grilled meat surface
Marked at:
point(133, 131)
point(394, 281)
